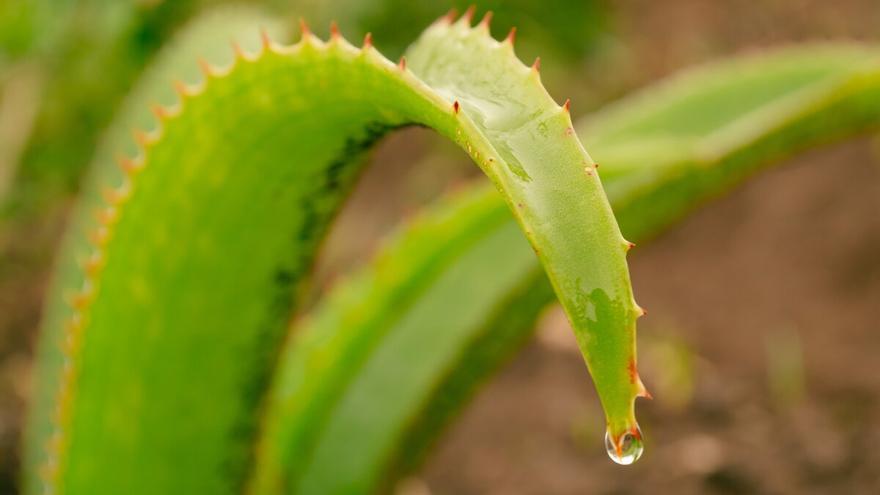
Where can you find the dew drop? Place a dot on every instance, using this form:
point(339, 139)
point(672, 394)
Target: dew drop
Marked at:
point(630, 447)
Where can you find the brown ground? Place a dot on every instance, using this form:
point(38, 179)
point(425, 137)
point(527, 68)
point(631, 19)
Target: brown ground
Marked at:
point(762, 339)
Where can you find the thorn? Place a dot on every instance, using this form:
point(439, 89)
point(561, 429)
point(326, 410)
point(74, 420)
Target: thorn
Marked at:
point(80, 299)
point(449, 17)
point(99, 236)
point(536, 65)
point(265, 39)
point(402, 63)
point(629, 245)
point(469, 14)
point(141, 137)
point(486, 20)
point(368, 40)
point(205, 67)
point(511, 36)
point(105, 216)
point(596, 165)
point(115, 196)
point(334, 30)
point(567, 105)
point(304, 28)
point(642, 311)
point(181, 89)
point(456, 107)
point(238, 50)
point(93, 263)
point(643, 391)
point(128, 165)
point(110, 195)
point(160, 112)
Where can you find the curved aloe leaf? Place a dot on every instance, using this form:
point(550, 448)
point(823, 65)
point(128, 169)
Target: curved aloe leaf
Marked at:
point(190, 271)
point(418, 342)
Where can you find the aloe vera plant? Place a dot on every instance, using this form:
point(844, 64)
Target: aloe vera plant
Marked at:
point(301, 118)
point(193, 267)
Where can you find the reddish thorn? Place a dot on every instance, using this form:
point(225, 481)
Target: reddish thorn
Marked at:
point(265, 39)
point(159, 111)
point(630, 245)
point(368, 40)
point(127, 165)
point(206, 68)
point(334, 30)
point(304, 28)
point(450, 16)
point(567, 105)
point(239, 51)
point(402, 63)
point(180, 88)
point(645, 394)
point(487, 19)
point(469, 14)
point(511, 36)
point(140, 137)
point(455, 106)
point(537, 64)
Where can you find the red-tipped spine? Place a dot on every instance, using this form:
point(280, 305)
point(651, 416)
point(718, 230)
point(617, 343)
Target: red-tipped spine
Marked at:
point(205, 67)
point(450, 16)
point(141, 138)
point(304, 28)
point(511, 36)
point(238, 50)
point(486, 20)
point(368, 41)
point(181, 89)
point(334, 30)
point(536, 65)
point(402, 63)
point(265, 39)
point(567, 105)
point(127, 165)
point(469, 14)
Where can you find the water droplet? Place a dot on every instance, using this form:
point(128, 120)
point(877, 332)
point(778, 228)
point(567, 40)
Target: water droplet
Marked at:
point(629, 447)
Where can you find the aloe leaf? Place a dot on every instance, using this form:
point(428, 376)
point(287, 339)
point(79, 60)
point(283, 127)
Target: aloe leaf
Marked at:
point(418, 342)
point(195, 259)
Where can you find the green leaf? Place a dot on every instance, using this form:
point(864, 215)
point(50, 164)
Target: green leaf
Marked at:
point(420, 327)
point(194, 263)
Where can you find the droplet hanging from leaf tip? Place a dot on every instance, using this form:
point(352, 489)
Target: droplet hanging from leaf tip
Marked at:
point(627, 449)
